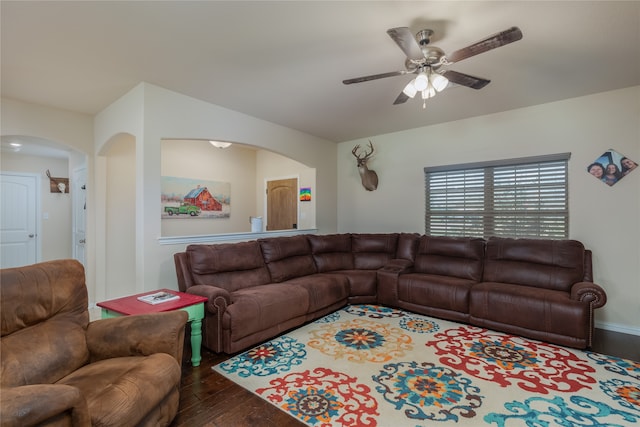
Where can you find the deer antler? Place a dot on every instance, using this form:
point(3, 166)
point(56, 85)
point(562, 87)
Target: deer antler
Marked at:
point(370, 152)
point(366, 154)
point(48, 174)
point(355, 150)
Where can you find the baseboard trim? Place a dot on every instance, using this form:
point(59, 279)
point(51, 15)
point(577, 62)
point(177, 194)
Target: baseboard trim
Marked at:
point(615, 327)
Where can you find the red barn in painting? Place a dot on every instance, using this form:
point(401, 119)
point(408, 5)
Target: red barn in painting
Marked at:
point(201, 197)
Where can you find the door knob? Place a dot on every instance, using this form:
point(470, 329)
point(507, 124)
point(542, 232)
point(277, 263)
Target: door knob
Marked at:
point(82, 241)
point(31, 235)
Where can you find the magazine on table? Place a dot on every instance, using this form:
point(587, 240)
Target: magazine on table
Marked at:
point(158, 297)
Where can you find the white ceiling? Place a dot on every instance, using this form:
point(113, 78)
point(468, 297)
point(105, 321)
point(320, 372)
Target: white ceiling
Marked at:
point(284, 61)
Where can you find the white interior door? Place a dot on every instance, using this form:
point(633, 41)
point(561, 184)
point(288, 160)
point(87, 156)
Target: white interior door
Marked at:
point(19, 239)
point(79, 218)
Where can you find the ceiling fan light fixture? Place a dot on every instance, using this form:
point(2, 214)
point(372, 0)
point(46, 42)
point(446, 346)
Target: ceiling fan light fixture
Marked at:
point(429, 92)
point(439, 82)
point(410, 89)
point(421, 82)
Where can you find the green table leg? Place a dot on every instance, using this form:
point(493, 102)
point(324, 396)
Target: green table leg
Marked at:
point(196, 341)
point(196, 314)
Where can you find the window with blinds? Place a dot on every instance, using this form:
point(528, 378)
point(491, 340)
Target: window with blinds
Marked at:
point(509, 198)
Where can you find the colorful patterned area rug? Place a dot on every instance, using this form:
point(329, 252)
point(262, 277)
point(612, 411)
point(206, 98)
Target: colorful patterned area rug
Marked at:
point(369, 365)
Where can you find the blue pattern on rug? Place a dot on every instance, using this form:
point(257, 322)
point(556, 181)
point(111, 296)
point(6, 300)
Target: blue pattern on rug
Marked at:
point(427, 391)
point(579, 411)
point(270, 358)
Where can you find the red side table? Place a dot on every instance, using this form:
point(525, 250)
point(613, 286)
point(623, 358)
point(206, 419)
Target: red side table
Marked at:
point(192, 304)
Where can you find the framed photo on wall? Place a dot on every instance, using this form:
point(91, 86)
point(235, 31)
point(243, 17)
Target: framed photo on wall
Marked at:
point(611, 167)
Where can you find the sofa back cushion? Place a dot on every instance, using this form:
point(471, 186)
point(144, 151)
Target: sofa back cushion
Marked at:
point(231, 266)
point(373, 251)
point(44, 311)
point(331, 252)
point(287, 257)
point(408, 246)
point(450, 256)
point(549, 264)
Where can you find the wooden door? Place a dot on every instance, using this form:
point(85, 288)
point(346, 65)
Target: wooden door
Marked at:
point(282, 204)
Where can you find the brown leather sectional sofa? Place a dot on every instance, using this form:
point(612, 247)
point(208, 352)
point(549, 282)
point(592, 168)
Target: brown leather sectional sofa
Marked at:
point(542, 289)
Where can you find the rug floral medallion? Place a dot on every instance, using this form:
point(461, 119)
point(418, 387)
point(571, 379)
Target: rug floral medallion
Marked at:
point(368, 365)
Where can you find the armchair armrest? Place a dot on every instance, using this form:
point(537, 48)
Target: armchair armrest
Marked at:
point(32, 405)
point(139, 335)
point(589, 292)
point(219, 298)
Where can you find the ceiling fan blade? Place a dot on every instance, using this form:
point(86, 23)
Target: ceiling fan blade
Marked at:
point(500, 39)
point(401, 99)
point(374, 77)
point(465, 79)
point(407, 42)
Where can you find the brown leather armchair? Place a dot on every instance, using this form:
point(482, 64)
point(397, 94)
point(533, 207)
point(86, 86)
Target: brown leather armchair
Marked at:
point(58, 369)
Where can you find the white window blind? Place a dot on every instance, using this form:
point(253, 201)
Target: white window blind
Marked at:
point(510, 198)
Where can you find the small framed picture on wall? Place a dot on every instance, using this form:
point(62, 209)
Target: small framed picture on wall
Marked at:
point(611, 167)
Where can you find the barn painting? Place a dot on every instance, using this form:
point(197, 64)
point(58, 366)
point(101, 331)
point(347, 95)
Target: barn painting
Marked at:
point(202, 198)
point(212, 197)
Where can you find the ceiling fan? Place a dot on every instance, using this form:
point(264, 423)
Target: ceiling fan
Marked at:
point(425, 60)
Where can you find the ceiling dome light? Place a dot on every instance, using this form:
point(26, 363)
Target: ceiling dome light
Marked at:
point(220, 144)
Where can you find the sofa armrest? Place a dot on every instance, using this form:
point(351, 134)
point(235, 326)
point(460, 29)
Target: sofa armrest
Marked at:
point(32, 405)
point(589, 292)
point(219, 299)
point(138, 335)
point(388, 280)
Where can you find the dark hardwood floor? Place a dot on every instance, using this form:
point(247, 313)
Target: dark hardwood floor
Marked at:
point(209, 399)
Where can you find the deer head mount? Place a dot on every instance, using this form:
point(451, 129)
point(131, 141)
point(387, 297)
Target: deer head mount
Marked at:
point(58, 185)
point(369, 177)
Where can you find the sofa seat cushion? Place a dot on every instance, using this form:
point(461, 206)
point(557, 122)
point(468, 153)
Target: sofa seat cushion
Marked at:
point(125, 388)
point(261, 307)
point(439, 292)
point(529, 308)
point(361, 282)
point(324, 290)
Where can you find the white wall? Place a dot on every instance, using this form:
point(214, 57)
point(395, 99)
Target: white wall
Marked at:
point(120, 213)
point(151, 114)
point(606, 219)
